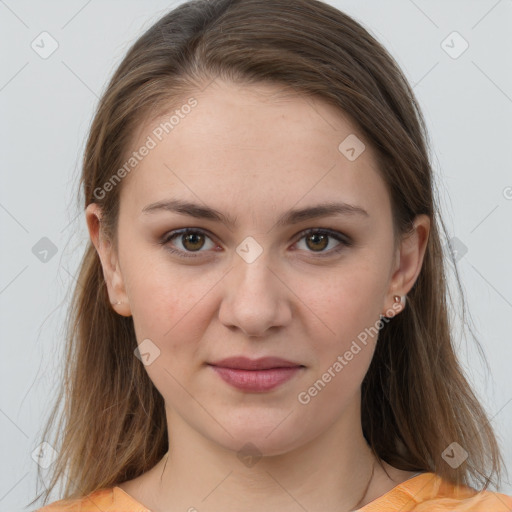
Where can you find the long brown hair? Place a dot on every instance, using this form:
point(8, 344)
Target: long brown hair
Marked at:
point(416, 400)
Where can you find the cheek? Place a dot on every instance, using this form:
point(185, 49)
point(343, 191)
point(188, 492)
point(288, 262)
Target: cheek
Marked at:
point(343, 304)
point(172, 319)
point(343, 328)
point(168, 304)
point(343, 331)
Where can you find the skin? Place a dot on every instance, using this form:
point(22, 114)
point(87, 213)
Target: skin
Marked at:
point(254, 152)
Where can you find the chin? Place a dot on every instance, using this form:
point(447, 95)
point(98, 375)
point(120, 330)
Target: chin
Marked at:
point(265, 434)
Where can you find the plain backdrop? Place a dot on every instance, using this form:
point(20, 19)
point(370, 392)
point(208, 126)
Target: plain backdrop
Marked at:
point(47, 103)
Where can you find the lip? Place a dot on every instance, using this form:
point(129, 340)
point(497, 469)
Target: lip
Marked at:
point(262, 363)
point(256, 375)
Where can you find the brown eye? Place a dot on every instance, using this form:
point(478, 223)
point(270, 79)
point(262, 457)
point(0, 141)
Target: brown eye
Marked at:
point(317, 241)
point(185, 242)
point(192, 241)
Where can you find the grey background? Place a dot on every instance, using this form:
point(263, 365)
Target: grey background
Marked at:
point(47, 105)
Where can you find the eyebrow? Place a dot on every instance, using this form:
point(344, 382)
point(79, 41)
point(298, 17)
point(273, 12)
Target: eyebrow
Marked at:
point(293, 216)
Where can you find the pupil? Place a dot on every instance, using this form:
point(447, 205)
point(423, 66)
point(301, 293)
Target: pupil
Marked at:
point(192, 238)
point(316, 238)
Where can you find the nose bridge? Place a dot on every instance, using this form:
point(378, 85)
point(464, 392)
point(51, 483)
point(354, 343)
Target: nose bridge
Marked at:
point(255, 299)
point(252, 273)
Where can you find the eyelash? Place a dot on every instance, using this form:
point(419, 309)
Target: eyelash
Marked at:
point(343, 239)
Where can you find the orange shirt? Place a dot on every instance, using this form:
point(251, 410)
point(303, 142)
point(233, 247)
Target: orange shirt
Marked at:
point(426, 492)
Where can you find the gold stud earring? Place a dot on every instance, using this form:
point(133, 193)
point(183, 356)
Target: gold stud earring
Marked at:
point(397, 299)
point(401, 299)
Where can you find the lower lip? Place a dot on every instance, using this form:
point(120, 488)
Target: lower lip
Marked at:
point(256, 380)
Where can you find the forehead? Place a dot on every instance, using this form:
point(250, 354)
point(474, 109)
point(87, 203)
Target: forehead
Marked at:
point(251, 146)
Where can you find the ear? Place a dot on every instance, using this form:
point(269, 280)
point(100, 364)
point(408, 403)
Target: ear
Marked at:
point(409, 259)
point(109, 261)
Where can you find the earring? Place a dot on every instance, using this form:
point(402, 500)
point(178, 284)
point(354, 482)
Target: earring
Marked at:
point(400, 299)
point(396, 299)
point(116, 303)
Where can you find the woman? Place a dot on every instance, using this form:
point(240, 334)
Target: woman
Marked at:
point(260, 320)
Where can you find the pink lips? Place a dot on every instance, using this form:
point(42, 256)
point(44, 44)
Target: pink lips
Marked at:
point(256, 375)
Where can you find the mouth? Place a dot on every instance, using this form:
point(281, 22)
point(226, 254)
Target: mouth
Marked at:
point(256, 375)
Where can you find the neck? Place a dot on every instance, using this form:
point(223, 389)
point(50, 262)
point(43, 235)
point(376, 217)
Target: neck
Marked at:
point(333, 472)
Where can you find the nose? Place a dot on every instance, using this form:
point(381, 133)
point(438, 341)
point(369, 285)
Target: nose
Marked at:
point(255, 298)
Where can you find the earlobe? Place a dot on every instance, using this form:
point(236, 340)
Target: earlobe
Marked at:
point(109, 261)
point(399, 302)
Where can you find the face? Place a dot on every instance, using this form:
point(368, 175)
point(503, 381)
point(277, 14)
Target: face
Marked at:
point(238, 276)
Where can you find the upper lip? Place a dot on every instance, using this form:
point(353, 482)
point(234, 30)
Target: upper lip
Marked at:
point(263, 363)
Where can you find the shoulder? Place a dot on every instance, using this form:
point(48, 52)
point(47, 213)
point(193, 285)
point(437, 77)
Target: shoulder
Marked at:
point(466, 498)
point(429, 492)
point(98, 500)
point(483, 501)
point(439, 495)
point(107, 500)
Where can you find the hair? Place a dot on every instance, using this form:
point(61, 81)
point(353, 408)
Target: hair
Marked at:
point(415, 398)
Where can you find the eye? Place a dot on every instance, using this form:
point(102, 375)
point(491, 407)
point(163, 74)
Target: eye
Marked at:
point(317, 240)
point(191, 241)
